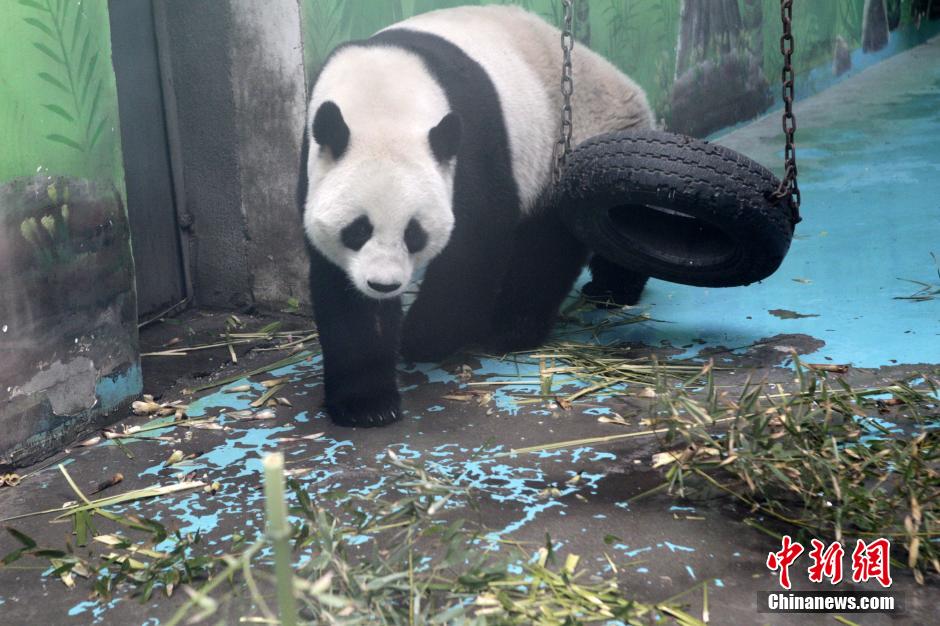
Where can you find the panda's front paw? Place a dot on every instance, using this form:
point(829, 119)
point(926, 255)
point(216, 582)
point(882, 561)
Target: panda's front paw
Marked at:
point(380, 409)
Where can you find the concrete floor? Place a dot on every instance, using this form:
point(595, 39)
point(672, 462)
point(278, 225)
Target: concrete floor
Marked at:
point(870, 173)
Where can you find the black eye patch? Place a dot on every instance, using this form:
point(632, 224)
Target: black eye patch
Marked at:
point(357, 233)
point(415, 237)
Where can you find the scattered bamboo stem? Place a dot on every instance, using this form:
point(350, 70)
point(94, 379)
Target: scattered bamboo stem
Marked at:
point(279, 533)
point(291, 360)
point(592, 441)
point(226, 575)
point(267, 395)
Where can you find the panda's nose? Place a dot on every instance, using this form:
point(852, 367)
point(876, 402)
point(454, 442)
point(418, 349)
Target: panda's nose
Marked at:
point(384, 287)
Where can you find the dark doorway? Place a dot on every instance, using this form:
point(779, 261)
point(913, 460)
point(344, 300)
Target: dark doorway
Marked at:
point(147, 168)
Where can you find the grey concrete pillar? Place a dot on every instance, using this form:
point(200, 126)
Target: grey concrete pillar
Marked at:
point(236, 69)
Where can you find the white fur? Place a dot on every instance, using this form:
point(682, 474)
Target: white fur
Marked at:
point(390, 102)
point(388, 171)
point(522, 55)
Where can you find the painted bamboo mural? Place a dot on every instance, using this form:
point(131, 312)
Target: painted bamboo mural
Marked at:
point(67, 299)
point(658, 41)
point(63, 36)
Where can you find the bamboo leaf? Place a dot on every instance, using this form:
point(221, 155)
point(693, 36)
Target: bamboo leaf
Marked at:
point(65, 140)
point(93, 107)
point(32, 21)
point(27, 542)
point(86, 78)
point(55, 108)
point(34, 5)
point(81, 528)
point(83, 54)
point(52, 80)
point(79, 18)
point(136, 494)
point(63, 11)
point(50, 554)
point(48, 52)
point(12, 557)
point(97, 133)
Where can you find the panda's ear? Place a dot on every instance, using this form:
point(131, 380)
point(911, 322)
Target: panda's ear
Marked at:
point(445, 137)
point(330, 129)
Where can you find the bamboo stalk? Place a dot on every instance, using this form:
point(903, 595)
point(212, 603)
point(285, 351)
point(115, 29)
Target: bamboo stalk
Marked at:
point(591, 441)
point(278, 531)
point(291, 360)
point(202, 594)
point(100, 503)
point(267, 395)
point(183, 351)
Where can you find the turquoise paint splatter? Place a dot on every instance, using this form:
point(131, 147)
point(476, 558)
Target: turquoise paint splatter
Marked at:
point(870, 217)
point(677, 548)
point(112, 391)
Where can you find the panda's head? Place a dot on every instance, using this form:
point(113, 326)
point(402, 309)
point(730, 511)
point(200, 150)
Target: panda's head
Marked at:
point(379, 204)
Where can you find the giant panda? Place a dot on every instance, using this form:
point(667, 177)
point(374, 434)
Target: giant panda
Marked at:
point(428, 149)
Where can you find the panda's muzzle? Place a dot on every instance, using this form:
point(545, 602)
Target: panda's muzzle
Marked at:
point(384, 287)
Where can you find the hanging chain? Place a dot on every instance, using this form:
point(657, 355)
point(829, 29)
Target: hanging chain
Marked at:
point(788, 189)
point(563, 145)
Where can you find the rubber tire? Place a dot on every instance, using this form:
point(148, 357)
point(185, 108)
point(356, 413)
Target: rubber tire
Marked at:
point(675, 208)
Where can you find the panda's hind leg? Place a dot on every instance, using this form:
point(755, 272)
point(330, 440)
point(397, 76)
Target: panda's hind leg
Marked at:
point(612, 285)
point(546, 260)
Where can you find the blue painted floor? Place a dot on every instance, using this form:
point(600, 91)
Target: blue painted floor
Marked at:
point(869, 162)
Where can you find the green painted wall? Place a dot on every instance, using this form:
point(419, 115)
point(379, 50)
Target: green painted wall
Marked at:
point(68, 310)
point(58, 100)
point(619, 29)
point(640, 36)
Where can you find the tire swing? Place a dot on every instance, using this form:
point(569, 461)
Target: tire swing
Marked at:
point(673, 207)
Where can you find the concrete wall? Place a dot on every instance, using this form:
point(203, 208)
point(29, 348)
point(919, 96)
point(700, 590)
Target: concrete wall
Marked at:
point(199, 51)
point(270, 107)
point(237, 72)
point(68, 316)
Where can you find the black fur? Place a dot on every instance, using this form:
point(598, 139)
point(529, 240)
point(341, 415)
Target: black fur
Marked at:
point(546, 260)
point(612, 285)
point(359, 337)
point(416, 238)
point(357, 233)
point(330, 129)
point(445, 138)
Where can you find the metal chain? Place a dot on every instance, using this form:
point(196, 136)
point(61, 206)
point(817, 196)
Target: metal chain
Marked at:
point(563, 145)
point(788, 189)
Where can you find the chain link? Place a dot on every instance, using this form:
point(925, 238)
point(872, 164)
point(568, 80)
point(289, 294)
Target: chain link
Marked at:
point(789, 189)
point(563, 145)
